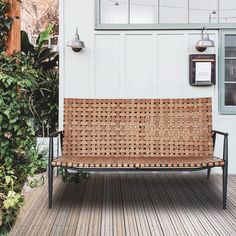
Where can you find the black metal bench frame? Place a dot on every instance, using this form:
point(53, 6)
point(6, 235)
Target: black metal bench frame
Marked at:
point(59, 134)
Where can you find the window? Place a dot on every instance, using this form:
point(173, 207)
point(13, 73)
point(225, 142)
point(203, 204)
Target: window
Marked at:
point(154, 14)
point(114, 12)
point(143, 11)
point(228, 72)
point(202, 11)
point(227, 11)
point(172, 11)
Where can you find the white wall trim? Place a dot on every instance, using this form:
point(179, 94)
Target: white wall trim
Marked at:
point(61, 61)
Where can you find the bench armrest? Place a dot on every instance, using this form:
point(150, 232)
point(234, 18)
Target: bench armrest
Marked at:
point(51, 147)
point(219, 132)
point(56, 134)
point(225, 147)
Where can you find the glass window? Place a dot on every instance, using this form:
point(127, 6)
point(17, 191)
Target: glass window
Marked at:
point(228, 72)
point(230, 94)
point(143, 11)
point(230, 45)
point(227, 11)
point(202, 11)
point(127, 13)
point(114, 12)
point(172, 11)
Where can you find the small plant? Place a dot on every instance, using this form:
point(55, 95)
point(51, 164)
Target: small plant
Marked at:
point(73, 177)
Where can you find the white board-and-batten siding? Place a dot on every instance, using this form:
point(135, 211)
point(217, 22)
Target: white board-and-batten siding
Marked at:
point(133, 64)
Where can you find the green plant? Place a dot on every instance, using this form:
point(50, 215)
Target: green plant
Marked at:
point(17, 136)
point(41, 57)
point(45, 101)
point(5, 23)
point(45, 97)
point(73, 177)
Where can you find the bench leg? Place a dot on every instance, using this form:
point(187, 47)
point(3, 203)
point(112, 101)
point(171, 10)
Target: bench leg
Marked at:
point(208, 173)
point(225, 180)
point(50, 185)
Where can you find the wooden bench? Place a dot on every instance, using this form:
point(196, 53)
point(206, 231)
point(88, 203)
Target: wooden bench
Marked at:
point(138, 134)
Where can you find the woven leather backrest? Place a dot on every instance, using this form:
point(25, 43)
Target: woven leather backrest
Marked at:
point(138, 127)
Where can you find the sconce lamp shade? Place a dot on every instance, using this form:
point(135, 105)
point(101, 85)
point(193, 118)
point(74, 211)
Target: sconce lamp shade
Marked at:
point(205, 41)
point(76, 44)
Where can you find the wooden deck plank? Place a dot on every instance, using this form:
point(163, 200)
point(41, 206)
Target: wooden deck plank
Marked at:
point(60, 221)
point(32, 218)
point(83, 222)
point(106, 222)
point(226, 218)
point(27, 211)
point(130, 221)
point(160, 203)
point(202, 214)
point(172, 211)
point(52, 214)
point(205, 192)
point(94, 227)
point(178, 200)
point(72, 220)
point(131, 204)
point(117, 207)
point(153, 221)
point(141, 220)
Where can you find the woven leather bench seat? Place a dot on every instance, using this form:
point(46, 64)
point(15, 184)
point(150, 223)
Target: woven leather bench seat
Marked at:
point(137, 162)
point(168, 134)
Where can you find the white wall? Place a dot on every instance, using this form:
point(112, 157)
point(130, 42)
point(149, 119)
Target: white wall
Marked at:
point(132, 64)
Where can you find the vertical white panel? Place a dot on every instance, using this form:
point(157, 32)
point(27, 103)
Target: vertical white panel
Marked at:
point(138, 66)
point(77, 65)
point(107, 66)
point(172, 66)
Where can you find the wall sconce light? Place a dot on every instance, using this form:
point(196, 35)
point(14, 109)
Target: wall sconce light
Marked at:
point(205, 41)
point(76, 44)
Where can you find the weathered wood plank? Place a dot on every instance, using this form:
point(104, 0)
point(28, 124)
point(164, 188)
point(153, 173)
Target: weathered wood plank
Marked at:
point(13, 42)
point(83, 222)
point(106, 223)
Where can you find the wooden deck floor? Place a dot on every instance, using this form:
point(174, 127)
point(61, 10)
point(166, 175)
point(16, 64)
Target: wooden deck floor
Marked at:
point(132, 204)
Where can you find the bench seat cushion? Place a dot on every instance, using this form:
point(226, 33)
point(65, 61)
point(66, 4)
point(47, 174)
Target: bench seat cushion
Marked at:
point(137, 162)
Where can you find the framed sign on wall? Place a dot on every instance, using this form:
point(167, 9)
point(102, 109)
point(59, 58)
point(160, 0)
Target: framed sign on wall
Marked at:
point(202, 68)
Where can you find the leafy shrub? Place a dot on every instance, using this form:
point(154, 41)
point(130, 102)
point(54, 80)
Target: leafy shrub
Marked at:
point(45, 103)
point(17, 136)
point(45, 97)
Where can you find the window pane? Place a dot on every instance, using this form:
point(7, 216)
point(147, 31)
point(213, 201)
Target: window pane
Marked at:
point(230, 45)
point(114, 12)
point(172, 11)
point(230, 70)
point(143, 11)
point(230, 94)
point(227, 11)
point(202, 11)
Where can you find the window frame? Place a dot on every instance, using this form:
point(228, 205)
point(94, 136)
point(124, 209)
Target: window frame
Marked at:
point(158, 26)
point(227, 110)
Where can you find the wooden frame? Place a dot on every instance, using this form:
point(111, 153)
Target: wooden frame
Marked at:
point(13, 43)
point(193, 59)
